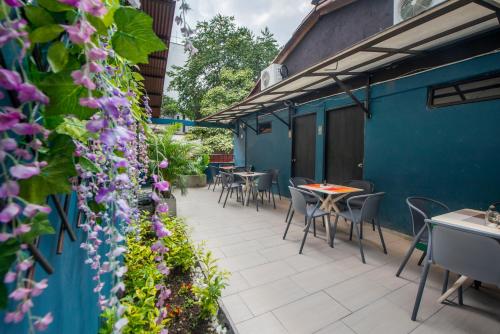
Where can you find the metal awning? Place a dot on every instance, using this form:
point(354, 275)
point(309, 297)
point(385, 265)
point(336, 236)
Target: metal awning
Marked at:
point(443, 24)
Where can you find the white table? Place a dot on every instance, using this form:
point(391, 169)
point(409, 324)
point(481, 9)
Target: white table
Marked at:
point(227, 168)
point(334, 194)
point(471, 220)
point(248, 177)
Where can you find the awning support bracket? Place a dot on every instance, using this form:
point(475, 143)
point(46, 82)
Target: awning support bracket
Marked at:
point(348, 91)
point(248, 126)
point(281, 119)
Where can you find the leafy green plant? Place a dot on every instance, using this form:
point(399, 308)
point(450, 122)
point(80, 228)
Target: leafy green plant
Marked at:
point(181, 255)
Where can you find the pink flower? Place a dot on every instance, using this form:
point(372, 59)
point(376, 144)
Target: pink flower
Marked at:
point(162, 185)
point(39, 287)
point(80, 78)
point(19, 293)
point(97, 54)
point(26, 306)
point(27, 92)
point(89, 102)
point(9, 277)
point(120, 324)
point(162, 207)
point(93, 7)
point(9, 189)
point(24, 265)
point(80, 32)
point(118, 251)
point(10, 118)
point(32, 209)
point(95, 67)
point(73, 3)
point(8, 144)
point(27, 128)
point(14, 317)
point(23, 171)
point(14, 3)
point(21, 229)
point(5, 236)
point(163, 164)
point(9, 212)
point(43, 323)
point(24, 154)
point(9, 79)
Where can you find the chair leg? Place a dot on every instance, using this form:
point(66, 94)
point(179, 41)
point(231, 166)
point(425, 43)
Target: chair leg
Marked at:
point(227, 195)
point(332, 235)
point(445, 281)
point(221, 192)
point(257, 202)
point(360, 243)
point(361, 230)
point(373, 225)
point(460, 295)
point(423, 279)
point(279, 191)
point(231, 193)
point(305, 234)
point(289, 209)
point(350, 233)
point(381, 237)
point(422, 258)
point(407, 256)
point(288, 225)
point(314, 227)
point(274, 202)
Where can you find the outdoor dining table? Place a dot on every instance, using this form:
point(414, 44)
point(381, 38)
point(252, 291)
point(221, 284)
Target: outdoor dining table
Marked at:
point(334, 194)
point(469, 220)
point(249, 177)
point(227, 168)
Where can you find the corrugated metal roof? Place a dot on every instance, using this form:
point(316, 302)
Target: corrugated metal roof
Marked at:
point(446, 23)
point(162, 12)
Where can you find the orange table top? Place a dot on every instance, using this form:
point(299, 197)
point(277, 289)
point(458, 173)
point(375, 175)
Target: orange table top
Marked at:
point(330, 189)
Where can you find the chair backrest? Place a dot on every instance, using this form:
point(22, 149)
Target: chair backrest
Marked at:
point(213, 171)
point(227, 179)
point(422, 208)
point(469, 253)
point(367, 186)
point(275, 172)
point(265, 182)
point(371, 204)
point(299, 202)
point(299, 181)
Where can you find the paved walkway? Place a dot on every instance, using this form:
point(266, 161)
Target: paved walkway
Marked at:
point(275, 290)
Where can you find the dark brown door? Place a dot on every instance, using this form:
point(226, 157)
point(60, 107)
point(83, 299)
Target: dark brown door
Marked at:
point(304, 146)
point(344, 144)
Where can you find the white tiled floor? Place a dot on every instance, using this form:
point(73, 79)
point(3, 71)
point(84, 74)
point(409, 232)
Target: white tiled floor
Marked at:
point(275, 290)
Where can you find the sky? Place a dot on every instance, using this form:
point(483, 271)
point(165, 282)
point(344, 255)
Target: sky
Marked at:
point(282, 17)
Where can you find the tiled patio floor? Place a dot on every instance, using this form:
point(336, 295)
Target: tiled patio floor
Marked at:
point(275, 290)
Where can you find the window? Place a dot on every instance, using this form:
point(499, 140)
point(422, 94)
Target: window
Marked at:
point(265, 127)
point(471, 90)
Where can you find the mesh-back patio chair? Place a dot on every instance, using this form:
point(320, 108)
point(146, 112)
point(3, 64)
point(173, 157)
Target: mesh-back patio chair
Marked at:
point(368, 188)
point(295, 182)
point(310, 212)
point(264, 185)
point(367, 213)
point(478, 260)
point(215, 176)
point(421, 208)
point(229, 185)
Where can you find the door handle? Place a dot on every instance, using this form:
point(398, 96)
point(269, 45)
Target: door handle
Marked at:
point(360, 165)
point(294, 160)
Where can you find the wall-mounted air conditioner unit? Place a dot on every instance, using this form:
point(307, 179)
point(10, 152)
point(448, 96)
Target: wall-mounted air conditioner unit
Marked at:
point(406, 9)
point(270, 76)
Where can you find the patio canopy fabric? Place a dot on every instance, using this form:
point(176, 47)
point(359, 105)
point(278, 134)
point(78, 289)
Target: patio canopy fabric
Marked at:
point(444, 24)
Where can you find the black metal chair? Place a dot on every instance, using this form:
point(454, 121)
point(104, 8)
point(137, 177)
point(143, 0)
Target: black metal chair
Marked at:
point(310, 199)
point(421, 208)
point(310, 212)
point(215, 176)
point(367, 212)
point(229, 185)
point(264, 185)
point(276, 173)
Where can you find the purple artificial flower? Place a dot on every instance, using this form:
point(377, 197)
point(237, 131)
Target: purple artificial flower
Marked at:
point(14, 3)
point(19, 293)
point(97, 54)
point(27, 92)
point(27, 128)
point(24, 171)
point(104, 195)
point(95, 125)
point(14, 317)
point(155, 197)
point(121, 271)
point(43, 323)
point(163, 269)
point(10, 118)
point(162, 207)
point(24, 265)
point(5, 236)
point(95, 67)
point(119, 251)
point(112, 105)
point(9, 189)
point(32, 209)
point(10, 79)
point(163, 164)
point(108, 138)
point(89, 102)
point(8, 144)
point(39, 287)
point(122, 178)
point(123, 134)
point(35, 144)
point(9, 277)
point(162, 185)
point(160, 230)
point(9, 212)
point(21, 229)
point(80, 32)
point(120, 324)
point(26, 306)
point(93, 7)
point(73, 3)
point(121, 162)
point(24, 154)
point(80, 78)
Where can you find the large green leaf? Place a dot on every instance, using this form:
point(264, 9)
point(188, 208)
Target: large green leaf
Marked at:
point(74, 128)
point(38, 16)
point(64, 96)
point(54, 178)
point(8, 251)
point(57, 56)
point(40, 225)
point(54, 5)
point(135, 38)
point(46, 33)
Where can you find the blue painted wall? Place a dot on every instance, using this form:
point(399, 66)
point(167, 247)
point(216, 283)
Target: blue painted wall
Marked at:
point(450, 154)
point(70, 295)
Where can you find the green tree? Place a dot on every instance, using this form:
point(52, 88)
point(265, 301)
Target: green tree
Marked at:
point(220, 44)
point(169, 107)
